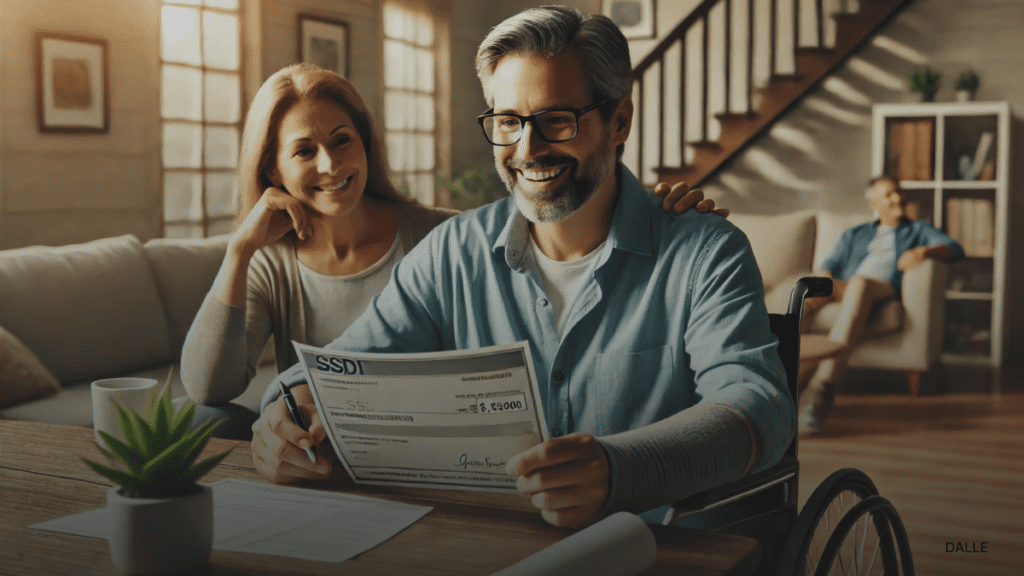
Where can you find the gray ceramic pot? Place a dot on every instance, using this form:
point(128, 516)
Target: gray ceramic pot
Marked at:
point(157, 536)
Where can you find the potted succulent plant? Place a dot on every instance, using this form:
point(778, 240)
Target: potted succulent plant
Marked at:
point(925, 81)
point(160, 517)
point(966, 84)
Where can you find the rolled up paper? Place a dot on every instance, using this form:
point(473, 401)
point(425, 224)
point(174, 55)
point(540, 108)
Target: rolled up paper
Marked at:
point(620, 545)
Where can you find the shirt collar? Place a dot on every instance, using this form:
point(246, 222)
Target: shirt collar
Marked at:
point(630, 229)
point(903, 220)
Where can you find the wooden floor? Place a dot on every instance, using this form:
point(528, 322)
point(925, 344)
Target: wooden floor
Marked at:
point(952, 464)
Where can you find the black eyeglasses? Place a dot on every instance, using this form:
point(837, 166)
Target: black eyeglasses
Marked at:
point(554, 125)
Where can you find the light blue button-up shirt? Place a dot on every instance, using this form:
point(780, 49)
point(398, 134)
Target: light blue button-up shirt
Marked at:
point(673, 315)
point(852, 247)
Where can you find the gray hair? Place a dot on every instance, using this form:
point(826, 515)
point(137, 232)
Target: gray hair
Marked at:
point(870, 193)
point(550, 30)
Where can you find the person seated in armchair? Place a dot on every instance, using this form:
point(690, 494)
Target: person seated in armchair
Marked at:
point(866, 266)
point(648, 330)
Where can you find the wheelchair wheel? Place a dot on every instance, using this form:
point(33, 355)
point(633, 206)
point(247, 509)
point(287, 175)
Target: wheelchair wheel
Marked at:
point(837, 533)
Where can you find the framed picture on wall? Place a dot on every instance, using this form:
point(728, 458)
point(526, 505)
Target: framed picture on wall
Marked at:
point(634, 17)
point(324, 42)
point(72, 90)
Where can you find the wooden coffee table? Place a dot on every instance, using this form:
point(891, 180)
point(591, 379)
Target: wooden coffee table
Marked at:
point(42, 477)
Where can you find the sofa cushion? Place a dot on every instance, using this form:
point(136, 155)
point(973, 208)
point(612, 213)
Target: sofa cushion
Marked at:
point(184, 271)
point(783, 244)
point(86, 310)
point(73, 406)
point(22, 375)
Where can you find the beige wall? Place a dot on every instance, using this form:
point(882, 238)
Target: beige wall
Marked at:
point(64, 188)
point(57, 188)
point(280, 39)
point(470, 22)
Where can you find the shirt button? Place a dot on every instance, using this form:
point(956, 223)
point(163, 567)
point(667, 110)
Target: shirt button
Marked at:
point(542, 302)
point(559, 376)
point(556, 433)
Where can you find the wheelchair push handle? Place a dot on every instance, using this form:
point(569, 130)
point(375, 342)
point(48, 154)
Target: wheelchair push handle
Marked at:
point(808, 287)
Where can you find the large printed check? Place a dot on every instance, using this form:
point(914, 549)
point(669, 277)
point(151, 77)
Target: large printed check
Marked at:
point(440, 420)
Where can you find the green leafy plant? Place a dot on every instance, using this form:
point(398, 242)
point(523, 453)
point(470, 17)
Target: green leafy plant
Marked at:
point(925, 81)
point(159, 450)
point(474, 187)
point(967, 80)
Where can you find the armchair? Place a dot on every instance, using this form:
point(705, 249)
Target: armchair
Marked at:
point(900, 335)
point(916, 345)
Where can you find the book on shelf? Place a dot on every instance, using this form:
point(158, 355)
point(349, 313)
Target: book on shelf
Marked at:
point(923, 149)
point(910, 149)
point(984, 236)
point(969, 221)
point(954, 219)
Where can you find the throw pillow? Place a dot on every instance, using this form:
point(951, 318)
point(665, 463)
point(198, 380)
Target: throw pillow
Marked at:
point(22, 376)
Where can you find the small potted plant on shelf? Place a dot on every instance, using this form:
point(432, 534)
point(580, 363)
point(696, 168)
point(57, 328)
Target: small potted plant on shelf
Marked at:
point(966, 84)
point(925, 81)
point(160, 517)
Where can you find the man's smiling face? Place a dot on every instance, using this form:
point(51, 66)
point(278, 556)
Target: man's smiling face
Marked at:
point(550, 181)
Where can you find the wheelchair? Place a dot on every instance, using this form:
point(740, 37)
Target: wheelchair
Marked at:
point(845, 527)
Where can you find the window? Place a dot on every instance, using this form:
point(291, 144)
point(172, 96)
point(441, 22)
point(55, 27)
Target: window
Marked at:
point(411, 95)
point(201, 111)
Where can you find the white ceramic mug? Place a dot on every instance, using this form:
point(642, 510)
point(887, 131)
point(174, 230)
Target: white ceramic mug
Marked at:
point(131, 393)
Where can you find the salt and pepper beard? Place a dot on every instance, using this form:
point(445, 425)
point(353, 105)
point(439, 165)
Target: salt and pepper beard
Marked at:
point(560, 203)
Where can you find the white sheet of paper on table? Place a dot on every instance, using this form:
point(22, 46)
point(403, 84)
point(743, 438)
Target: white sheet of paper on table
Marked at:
point(282, 521)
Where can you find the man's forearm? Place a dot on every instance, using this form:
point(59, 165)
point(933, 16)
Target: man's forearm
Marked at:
point(704, 446)
point(939, 252)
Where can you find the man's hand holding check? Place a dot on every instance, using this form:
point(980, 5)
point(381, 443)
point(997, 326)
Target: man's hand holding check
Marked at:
point(567, 478)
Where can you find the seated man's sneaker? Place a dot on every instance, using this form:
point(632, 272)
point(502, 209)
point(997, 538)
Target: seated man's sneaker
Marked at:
point(816, 403)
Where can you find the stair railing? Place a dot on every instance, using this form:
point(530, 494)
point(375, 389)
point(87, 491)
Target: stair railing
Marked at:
point(731, 35)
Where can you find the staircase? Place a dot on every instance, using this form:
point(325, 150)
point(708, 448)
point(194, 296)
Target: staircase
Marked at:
point(729, 71)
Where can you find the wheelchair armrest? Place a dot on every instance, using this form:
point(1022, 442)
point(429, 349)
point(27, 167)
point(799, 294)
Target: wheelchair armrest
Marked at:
point(750, 484)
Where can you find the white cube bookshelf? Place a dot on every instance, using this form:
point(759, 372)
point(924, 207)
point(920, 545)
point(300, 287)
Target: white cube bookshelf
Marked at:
point(944, 188)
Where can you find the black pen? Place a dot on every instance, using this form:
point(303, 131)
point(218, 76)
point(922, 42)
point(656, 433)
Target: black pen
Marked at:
point(293, 411)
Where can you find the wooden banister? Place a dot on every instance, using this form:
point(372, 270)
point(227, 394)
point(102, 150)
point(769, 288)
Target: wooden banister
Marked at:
point(787, 82)
point(658, 52)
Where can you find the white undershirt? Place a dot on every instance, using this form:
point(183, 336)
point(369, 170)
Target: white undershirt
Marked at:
point(562, 280)
point(881, 258)
point(332, 303)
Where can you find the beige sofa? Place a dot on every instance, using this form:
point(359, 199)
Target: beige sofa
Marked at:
point(113, 307)
point(905, 336)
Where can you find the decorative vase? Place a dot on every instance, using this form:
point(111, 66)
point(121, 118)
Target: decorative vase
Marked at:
point(964, 95)
point(160, 536)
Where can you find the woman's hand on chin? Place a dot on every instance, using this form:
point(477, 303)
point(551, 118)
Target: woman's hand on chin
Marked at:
point(276, 213)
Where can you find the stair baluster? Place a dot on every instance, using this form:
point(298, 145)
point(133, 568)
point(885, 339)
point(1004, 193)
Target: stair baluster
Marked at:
point(812, 62)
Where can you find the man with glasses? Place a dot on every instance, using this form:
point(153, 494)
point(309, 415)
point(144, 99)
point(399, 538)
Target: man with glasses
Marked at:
point(649, 334)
